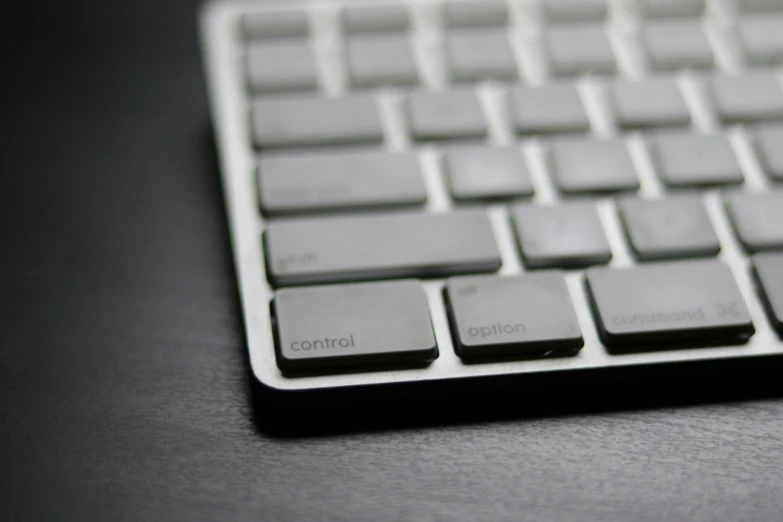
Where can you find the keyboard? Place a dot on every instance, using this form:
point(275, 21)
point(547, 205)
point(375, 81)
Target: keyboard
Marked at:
point(430, 191)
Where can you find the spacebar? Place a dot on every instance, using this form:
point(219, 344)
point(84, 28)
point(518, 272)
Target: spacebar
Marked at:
point(363, 248)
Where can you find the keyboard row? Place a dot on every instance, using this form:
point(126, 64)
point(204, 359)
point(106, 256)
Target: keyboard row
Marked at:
point(386, 324)
point(396, 17)
point(298, 121)
point(337, 182)
point(569, 235)
point(285, 65)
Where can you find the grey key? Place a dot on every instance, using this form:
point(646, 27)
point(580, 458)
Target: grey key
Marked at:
point(573, 50)
point(769, 147)
point(676, 227)
point(649, 103)
point(566, 11)
point(280, 66)
point(448, 114)
point(654, 305)
point(592, 166)
point(383, 18)
point(678, 44)
point(482, 173)
point(291, 23)
point(569, 235)
point(758, 6)
point(552, 108)
point(757, 219)
point(480, 55)
point(769, 274)
point(379, 60)
point(671, 8)
point(339, 181)
point(368, 324)
point(685, 159)
point(752, 96)
point(498, 316)
point(761, 39)
point(378, 247)
point(296, 122)
point(475, 13)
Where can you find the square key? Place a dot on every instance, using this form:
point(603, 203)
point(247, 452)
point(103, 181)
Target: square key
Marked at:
point(761, 39)
point(570, 11)
point(475, 13)
point(370, 18)
point(556, 107)
point(592, 166)
point(768, 268)
point(676, 227)
point(757, 219)
point(749, 97)
point(649, 103)
point(678, 44)
point(769, 147)
point(579, 49)
point(480, 55)
point(686, 159)
point(280, 66)
point(522, 315)
point(448, 114)
point(671, 8)
point(283, 23)
point(486, 173)
point(758, 6)
point(569, 235)
point(379, 60)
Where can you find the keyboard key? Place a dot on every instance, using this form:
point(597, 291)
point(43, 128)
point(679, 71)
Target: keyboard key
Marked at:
point(757, 219)
point(649, 103)
point(499, 316)
point(480, 55)
point(443, 115)
point(368, 324)
point(565, 11)
point(339, 181)
point(592, 166)
point(569, 235)
point(311, 251)
point(769, 274)
point(685, 159)
point(275, 24)
point(761, 39)
point(483, 173)
point(678, 44)
point(671, 8)
point(553, 108)
point(758, 6)
point(375, 61)
point(676, 227)
point(753, 96)
point(686, 301)
point(769, 146)
point(475, 13)
point(573, 50)
point(280, 66)
point(294, 122)
point(357, 19)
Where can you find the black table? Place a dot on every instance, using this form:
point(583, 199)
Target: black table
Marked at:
point(124, 389)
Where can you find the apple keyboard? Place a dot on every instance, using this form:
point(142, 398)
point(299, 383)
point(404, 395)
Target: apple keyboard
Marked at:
point(431, 190)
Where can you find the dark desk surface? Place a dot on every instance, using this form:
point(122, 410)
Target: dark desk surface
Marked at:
point(124, 392)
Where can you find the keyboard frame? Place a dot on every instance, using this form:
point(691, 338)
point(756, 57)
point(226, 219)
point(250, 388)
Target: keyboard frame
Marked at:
point(230, 108)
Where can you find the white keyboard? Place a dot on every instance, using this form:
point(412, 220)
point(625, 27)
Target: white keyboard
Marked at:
point(437, 190)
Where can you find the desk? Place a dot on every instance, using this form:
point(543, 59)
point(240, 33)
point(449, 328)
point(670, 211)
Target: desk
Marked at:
point(124, 391)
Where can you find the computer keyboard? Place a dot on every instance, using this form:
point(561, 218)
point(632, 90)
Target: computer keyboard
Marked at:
point(437, 190)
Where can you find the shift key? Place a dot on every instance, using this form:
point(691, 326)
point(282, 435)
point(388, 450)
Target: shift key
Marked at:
point(692, 302)
point(365, 324)
point(347, 249)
